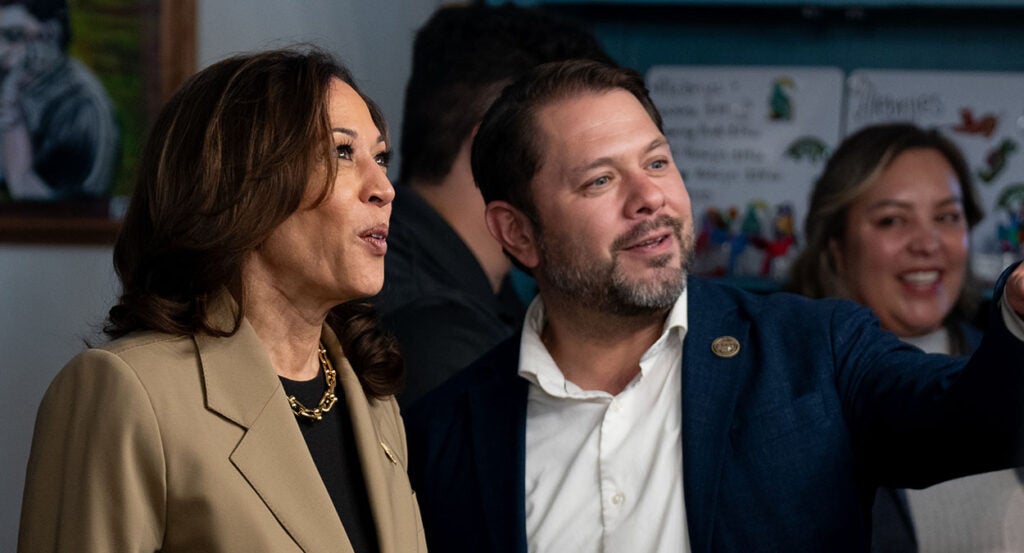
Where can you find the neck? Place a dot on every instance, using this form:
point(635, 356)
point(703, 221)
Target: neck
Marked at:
point(936, 341)
point(594, 350)
point(289, 329)
point(457, 199)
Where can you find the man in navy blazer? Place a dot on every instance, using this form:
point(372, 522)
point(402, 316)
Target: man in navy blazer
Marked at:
point(643, 410)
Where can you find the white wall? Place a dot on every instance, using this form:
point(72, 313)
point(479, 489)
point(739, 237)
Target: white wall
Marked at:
point(372, 38)
point(53, 298)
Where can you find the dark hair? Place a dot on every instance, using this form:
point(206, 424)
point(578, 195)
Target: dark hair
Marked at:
point(462, 58)
point(228, 160)
point(46, 10)
point(507, 150)
point(849, 173)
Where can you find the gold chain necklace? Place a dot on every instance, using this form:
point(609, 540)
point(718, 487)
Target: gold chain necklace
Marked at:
point(328, 399)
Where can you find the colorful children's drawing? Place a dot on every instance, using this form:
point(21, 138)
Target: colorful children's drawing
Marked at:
point(714, 242)
point(984, 125)
point(780, 105)
point(1010, 229)
point(995, 160)
point(758, 244)
point(810, 148)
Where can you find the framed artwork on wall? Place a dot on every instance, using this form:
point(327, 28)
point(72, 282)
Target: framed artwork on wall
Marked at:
point(81, 82)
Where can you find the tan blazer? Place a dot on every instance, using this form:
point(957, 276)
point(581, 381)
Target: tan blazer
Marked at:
point(164, 443)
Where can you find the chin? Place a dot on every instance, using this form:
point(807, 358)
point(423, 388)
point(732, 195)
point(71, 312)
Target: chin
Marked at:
point(372, 289)
point(357, 292)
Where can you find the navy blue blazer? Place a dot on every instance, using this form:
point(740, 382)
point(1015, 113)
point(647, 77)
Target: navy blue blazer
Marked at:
point(783, 444)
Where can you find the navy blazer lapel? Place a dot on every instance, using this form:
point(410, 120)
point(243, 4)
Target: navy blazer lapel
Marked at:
point(710, 385)
point(498, 414)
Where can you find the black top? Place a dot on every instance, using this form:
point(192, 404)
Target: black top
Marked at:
point(332, 444)
point(437, 300)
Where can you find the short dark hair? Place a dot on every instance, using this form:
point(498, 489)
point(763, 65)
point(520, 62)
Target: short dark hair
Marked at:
point(230, 157)
point(462, 58)
point(507, 150)
point(849, 173)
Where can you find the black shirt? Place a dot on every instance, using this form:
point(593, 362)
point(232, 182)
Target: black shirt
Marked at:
point(332, 444)
point(436, 299)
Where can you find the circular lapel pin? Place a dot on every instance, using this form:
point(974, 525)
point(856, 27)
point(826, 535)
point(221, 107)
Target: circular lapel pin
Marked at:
point(725, 346)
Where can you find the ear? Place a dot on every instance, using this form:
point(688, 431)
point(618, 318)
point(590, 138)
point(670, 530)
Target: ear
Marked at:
point(514, 231)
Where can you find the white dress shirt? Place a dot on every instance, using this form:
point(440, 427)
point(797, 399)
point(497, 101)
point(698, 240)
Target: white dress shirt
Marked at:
point(604, 473)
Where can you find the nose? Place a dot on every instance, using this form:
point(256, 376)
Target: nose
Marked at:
point(377, 188)
point(925, 240)
point(646, 196)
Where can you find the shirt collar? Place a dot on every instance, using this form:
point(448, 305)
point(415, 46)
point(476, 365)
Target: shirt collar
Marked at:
point(538, 367)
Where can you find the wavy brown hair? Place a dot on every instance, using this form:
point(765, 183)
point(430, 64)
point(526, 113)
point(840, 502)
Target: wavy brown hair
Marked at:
point(228, 160)
point(849, 173)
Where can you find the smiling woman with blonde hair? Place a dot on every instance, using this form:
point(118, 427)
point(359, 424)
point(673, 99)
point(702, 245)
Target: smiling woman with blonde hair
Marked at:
point(888, 226)
point(227, 414)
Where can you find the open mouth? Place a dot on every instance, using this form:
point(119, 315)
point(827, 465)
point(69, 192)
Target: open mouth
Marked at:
point(649, 243)
point(376, 237)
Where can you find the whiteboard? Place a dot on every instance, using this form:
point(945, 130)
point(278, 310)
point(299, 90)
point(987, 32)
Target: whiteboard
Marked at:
point(750, 141)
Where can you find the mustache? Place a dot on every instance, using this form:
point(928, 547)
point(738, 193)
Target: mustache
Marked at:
point(646, 227)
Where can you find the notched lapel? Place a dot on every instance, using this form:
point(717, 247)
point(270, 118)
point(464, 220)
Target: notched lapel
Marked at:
point(711, 382)
point(275, 461)
point(241, 385)
point(237, 375)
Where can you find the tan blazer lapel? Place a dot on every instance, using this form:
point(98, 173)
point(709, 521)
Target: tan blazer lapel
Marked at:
point(275, 460)
point(376, 456)
point(242, 386)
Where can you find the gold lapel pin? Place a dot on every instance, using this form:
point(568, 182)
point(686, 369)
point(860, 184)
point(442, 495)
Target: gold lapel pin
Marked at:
point(725, 346)
point(389, 454)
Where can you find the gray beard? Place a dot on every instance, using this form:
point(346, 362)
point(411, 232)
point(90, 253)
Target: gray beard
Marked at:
point(602, 286)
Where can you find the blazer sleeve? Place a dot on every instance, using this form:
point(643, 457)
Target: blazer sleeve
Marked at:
point(96, 478)
point(920, 419)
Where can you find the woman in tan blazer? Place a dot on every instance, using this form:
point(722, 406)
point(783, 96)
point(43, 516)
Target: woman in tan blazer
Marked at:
point(244, 404)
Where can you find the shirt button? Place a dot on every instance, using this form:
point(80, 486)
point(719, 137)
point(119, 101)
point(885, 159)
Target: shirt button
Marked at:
point(616, 406)
point(618, 498)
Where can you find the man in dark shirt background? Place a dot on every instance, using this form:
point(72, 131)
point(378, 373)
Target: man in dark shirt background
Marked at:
point(447, 295)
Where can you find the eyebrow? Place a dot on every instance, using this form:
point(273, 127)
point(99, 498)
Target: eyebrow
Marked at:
point(655, 144)
point(353, 134)
point(907, 205)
